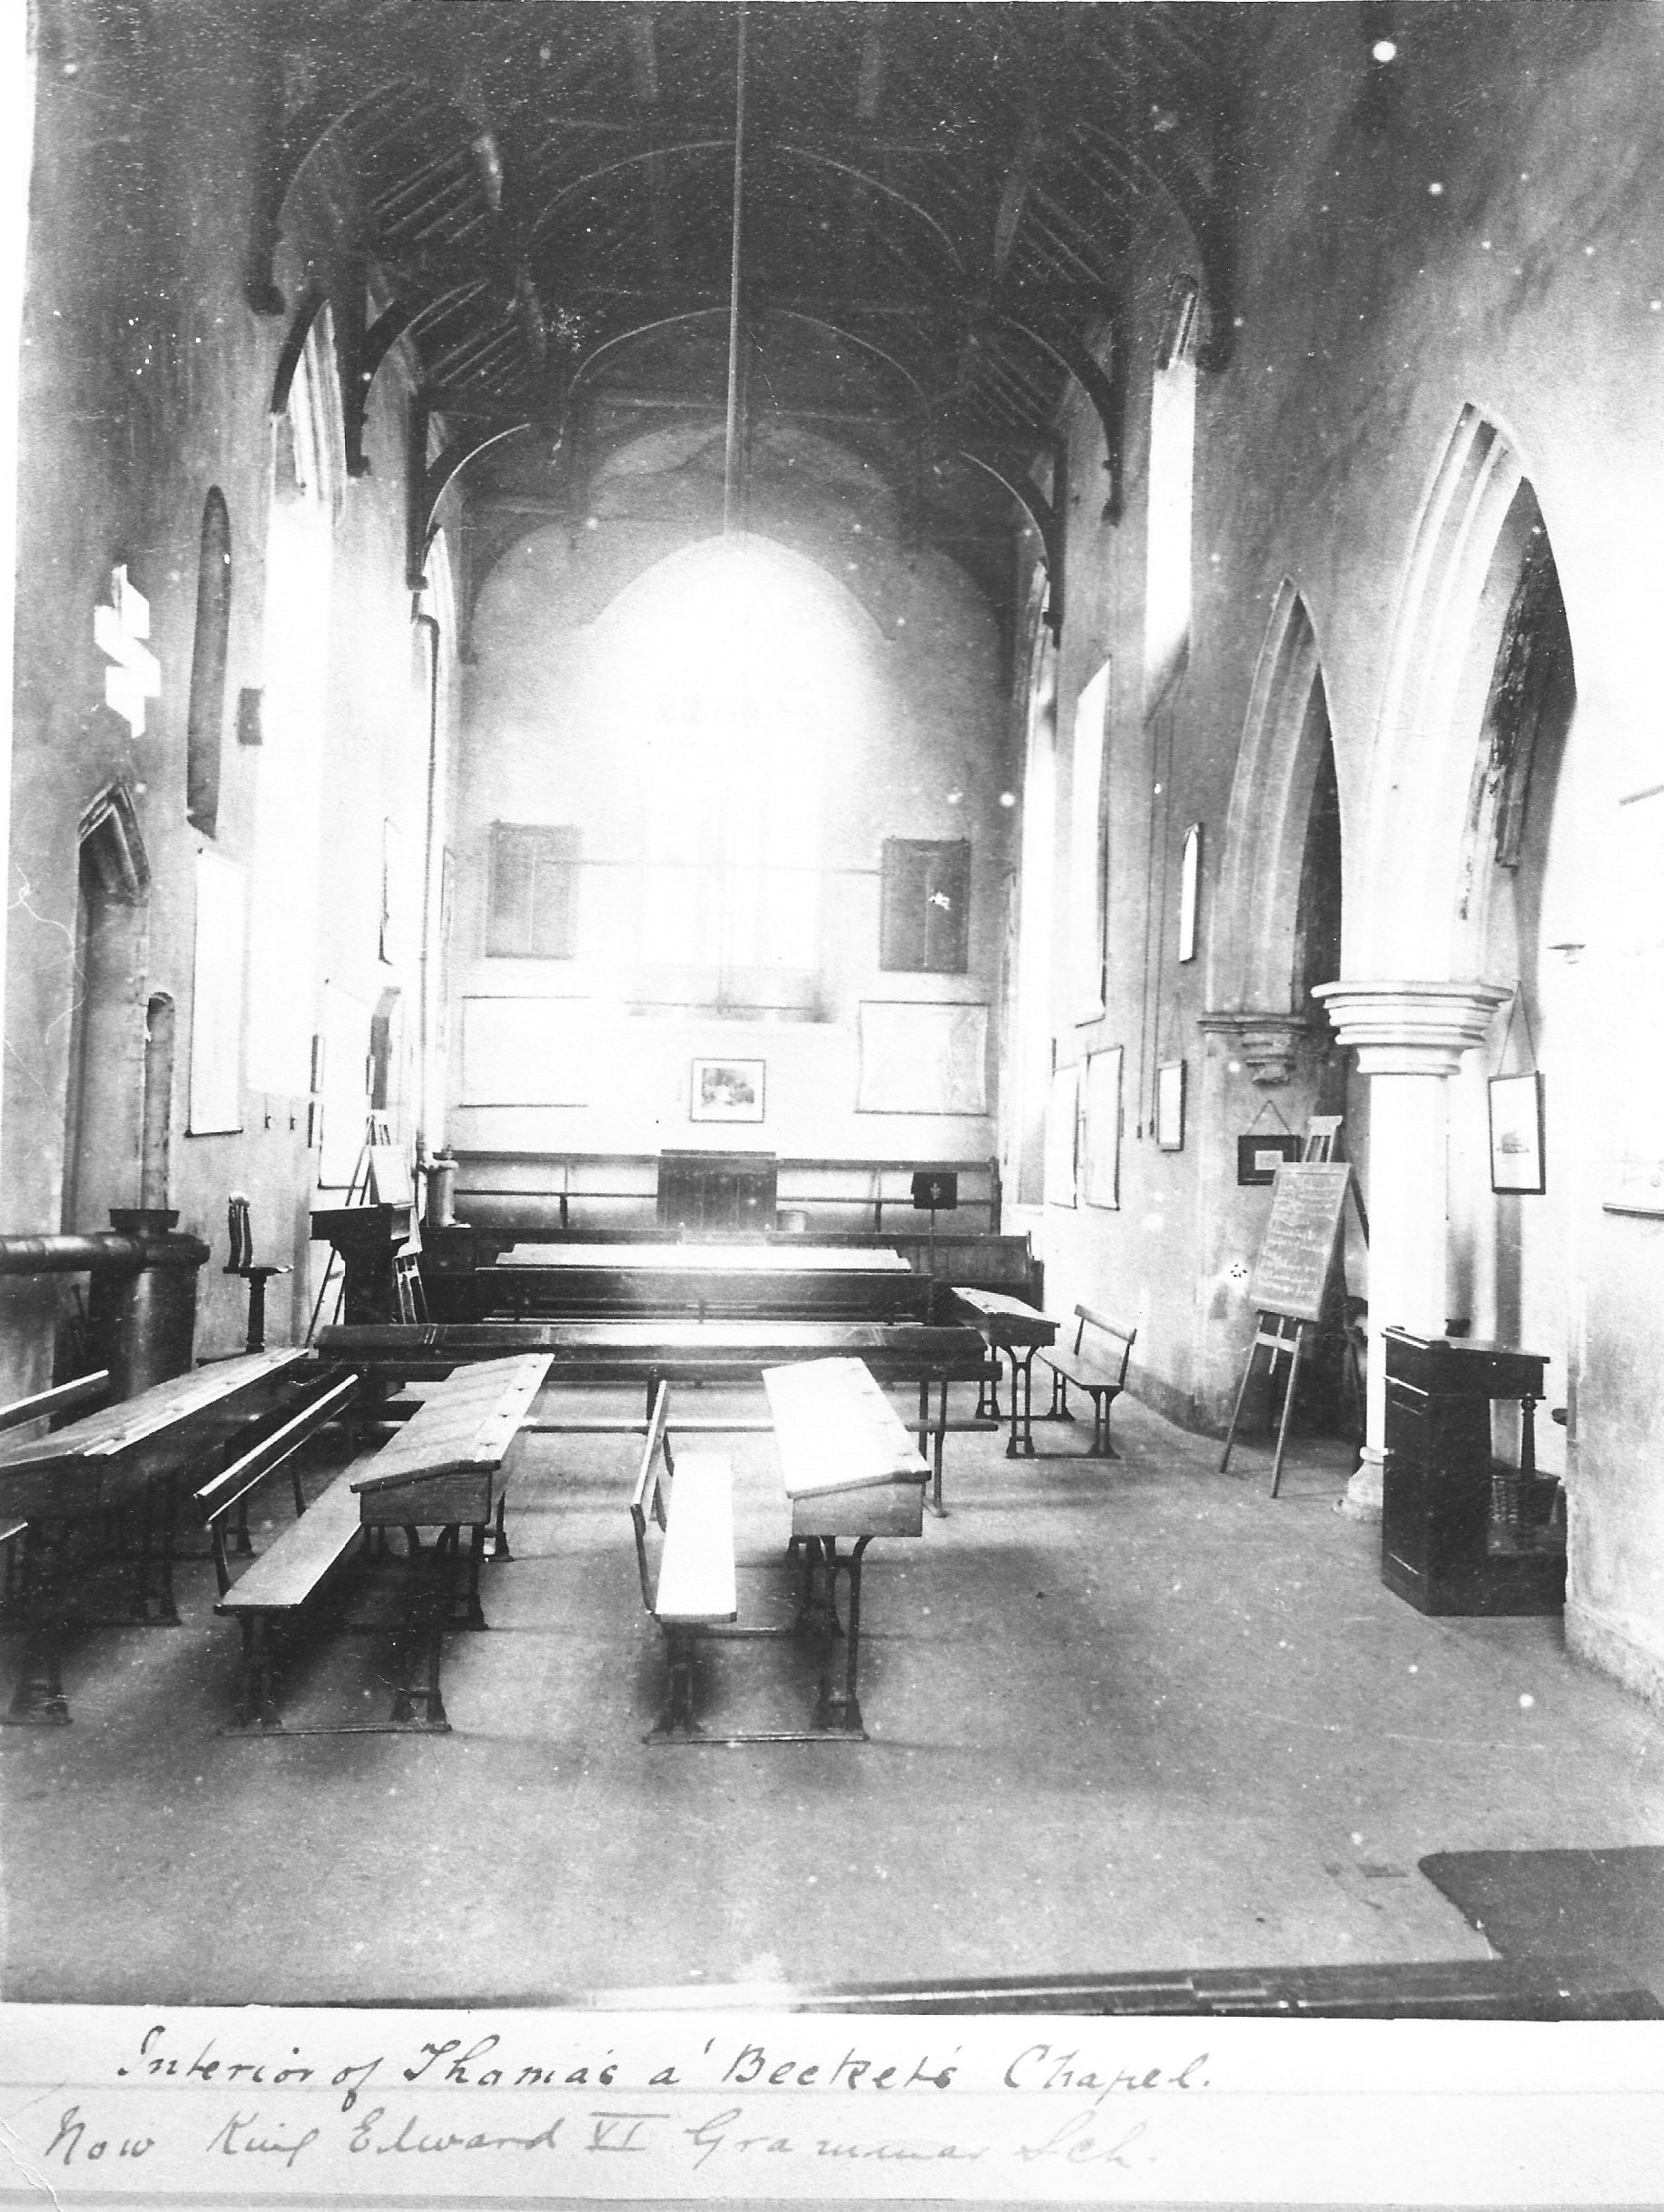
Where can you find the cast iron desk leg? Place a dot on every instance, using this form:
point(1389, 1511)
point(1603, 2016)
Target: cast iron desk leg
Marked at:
point(1022, 1358)
point(839, 1712)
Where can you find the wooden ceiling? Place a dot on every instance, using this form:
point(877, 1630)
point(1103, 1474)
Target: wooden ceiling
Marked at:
point(938, 207)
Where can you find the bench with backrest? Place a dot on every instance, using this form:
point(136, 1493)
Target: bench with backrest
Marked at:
point(447, 1469)
point(99, 1496)
point(694, 1588)
point(1097, 1364)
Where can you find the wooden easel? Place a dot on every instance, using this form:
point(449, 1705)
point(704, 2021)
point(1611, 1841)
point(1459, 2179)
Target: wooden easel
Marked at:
point(1294, 1272)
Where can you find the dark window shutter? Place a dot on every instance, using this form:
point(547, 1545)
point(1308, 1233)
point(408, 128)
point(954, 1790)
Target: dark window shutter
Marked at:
point(532, 899)
point(924, 919)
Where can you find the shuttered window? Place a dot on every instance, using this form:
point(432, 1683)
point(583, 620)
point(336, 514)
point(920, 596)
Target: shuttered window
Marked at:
point(924, 923)
point(532, 896)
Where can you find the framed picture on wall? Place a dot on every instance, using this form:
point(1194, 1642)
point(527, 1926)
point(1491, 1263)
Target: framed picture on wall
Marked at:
point(1261, 1153)
point(1516, 1134)
point(726, 1090)
point(1170, 1107)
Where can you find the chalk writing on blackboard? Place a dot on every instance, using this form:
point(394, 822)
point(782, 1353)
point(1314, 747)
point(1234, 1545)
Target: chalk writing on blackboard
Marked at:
point(1299, 1247)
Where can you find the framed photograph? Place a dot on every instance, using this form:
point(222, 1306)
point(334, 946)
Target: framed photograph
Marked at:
point(1170, 1106)
point(726, 1090)
point(1189, 890)
point(1261, 1153)
point(1516, 1133)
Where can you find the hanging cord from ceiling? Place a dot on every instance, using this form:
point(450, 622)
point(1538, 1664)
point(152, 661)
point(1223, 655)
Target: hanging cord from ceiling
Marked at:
point(731, 516)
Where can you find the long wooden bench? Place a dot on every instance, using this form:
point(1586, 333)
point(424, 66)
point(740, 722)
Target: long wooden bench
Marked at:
point(99, 1498)
point(1102, 1374)
point(231, 1490)
point(448, 1469)
point(849, 1473)
point(696, 1587)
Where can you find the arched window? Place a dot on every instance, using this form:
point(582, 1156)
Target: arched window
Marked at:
point(205, 716)
point(288, 787)
point(736, 679)
point(1166, 616)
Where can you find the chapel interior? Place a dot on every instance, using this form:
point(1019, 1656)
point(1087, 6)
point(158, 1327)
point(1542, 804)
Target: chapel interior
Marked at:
point(971, 685)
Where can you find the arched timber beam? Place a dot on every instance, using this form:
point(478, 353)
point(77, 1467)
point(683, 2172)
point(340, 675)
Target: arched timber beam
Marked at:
point(294, 146)
point(431, 482)
point(1107, 393)
point(1206, 213)
point(865, 176)
point(294, 344)
point(867, 345)
point(1046, 519)
point(575, 185)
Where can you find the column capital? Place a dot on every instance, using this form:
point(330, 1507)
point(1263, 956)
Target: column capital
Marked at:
point(1267, 1043)
point(1411, 1028)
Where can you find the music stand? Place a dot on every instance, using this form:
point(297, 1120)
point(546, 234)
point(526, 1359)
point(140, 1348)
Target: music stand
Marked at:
point(935, 1189)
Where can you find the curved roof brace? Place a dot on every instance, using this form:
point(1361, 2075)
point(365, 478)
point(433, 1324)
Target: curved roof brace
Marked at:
point(290, 148)
point(430, 481)
point(294, 344)
point(574, 185)
point(1045, 517)
point(1107, 392)
point(877, 184)
point(1206, 211)
point(838, 330)
point(286, 152)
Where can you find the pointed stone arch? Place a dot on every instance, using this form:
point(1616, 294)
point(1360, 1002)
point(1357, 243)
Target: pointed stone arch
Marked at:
point(1422, 909)
point(1253, 947)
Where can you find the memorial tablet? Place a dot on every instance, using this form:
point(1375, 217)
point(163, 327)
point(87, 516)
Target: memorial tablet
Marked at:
point(1293, 1262)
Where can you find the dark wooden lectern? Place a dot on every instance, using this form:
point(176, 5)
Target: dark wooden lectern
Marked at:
point(1462, 1532)
point(368, 1239)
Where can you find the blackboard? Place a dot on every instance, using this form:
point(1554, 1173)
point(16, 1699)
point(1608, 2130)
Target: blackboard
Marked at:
point(1294, 1259)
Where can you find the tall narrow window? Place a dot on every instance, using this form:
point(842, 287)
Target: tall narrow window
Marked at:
point(1086, 848)
point(205, 715)
point(924, 923)
point(1166, 619)
point(286, 885)
point(532, 896)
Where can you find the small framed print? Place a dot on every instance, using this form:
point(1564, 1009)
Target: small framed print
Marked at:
point(1259, 1156)
point(726, 1090)
point(1189, 890)
point(1170, 1107)
point(1516, 1134)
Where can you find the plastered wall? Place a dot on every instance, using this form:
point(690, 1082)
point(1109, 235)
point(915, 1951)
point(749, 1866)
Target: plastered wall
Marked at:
point(549, 739)
point(146, 380)
point(1490, 245)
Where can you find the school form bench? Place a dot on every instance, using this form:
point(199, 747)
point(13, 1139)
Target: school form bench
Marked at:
point(849, 1473)
point(101, 1496)
point(447, 1470)
point(1097, 1364)
point(651, 1352)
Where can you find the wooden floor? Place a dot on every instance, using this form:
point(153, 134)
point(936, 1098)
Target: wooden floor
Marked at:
point(1128, 1716)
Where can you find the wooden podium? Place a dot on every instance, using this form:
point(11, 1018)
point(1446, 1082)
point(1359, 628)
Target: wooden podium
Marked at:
point(1462, 1533)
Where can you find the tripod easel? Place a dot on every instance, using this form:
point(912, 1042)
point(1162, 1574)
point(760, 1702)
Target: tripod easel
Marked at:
point(1287, 1332)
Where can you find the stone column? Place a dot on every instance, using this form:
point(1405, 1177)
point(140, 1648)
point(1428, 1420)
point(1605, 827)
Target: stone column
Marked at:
point(1409, 1039)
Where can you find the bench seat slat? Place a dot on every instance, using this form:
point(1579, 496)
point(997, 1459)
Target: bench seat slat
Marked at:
point(286, 1575)
point(696, 1576)
point(1081, 1368)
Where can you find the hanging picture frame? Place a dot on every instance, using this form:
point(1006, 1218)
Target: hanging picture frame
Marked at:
point(1261, 1152)
point(722, 1090)
point(1515, 1103)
